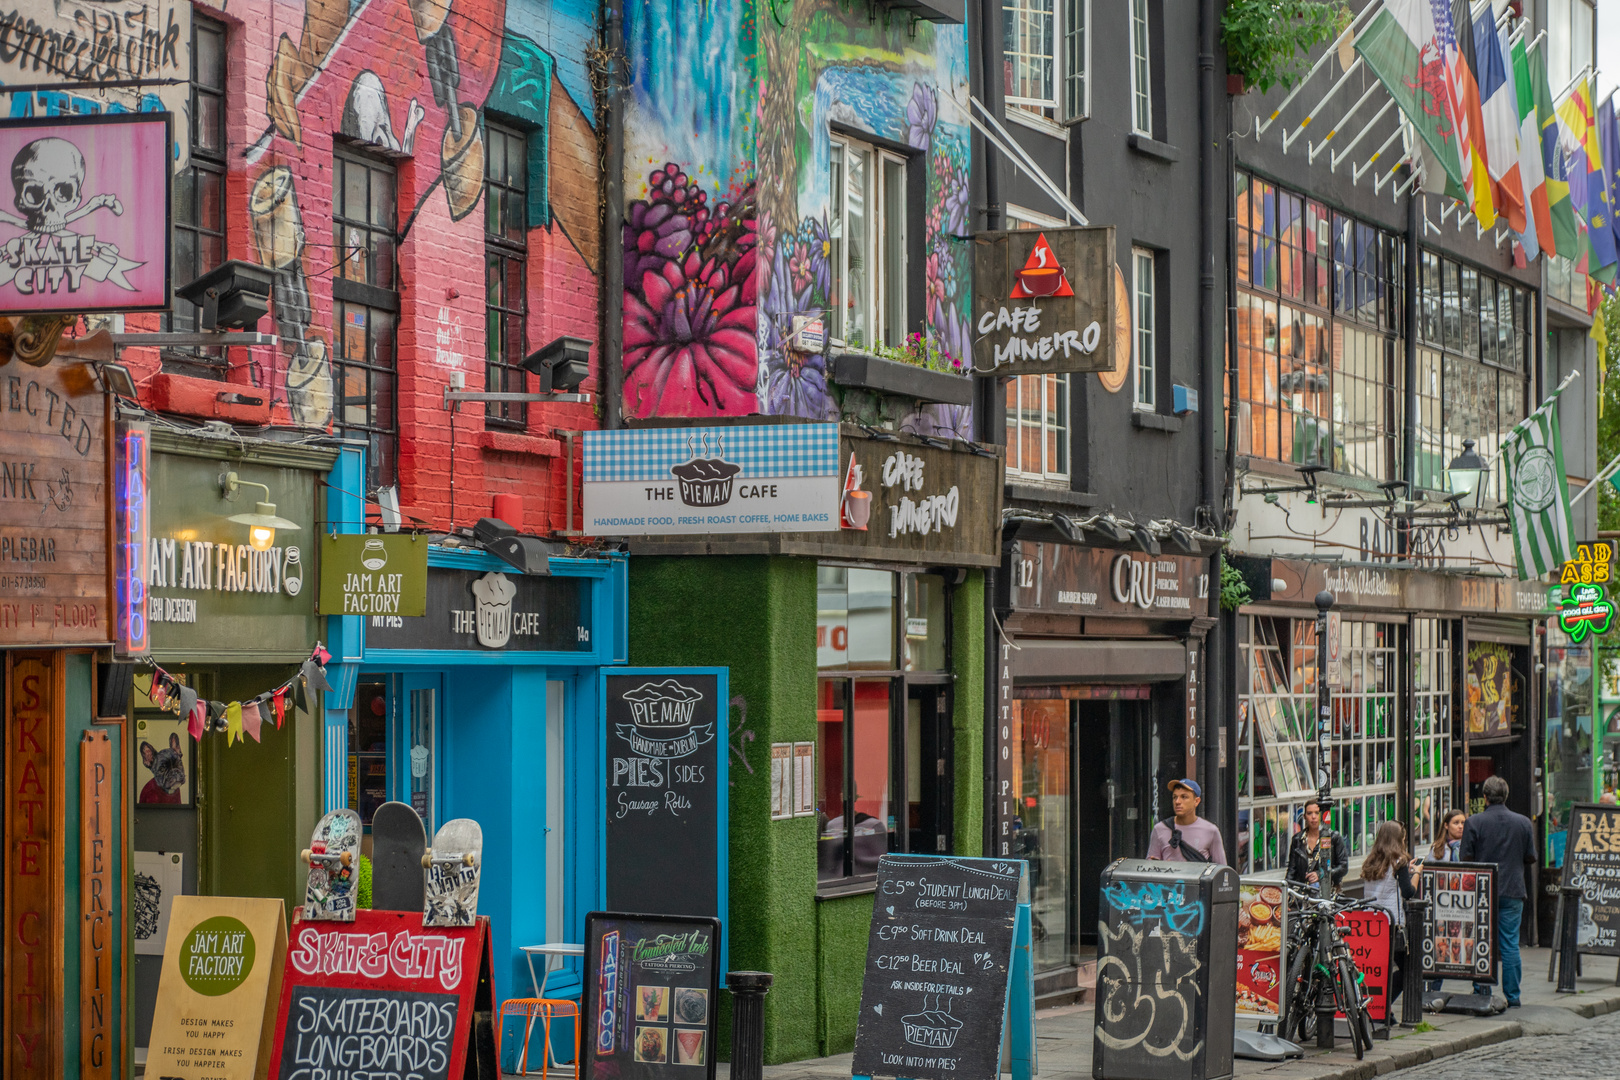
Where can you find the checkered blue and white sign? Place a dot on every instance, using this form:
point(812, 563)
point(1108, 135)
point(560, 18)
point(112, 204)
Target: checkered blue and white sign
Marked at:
point(674, 481)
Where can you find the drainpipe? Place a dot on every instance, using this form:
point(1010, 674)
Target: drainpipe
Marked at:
point(1414, 236)
point(610, 353)
point(1212, 485)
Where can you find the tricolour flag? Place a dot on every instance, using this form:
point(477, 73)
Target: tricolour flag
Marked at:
point(1559, 207)
point(1499, 105)
point(1538, 221)
point(1464, 83)
point(1403, 46)
point(1537, 493)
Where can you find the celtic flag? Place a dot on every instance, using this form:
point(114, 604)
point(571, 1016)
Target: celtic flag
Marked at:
point(1538, 496)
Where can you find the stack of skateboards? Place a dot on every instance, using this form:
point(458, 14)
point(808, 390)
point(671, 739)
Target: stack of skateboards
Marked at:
point(406, 874)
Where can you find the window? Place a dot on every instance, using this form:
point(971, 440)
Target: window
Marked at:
point(365, 307)
point(1029, 36)
point(1141, 70)
point(882, 718)
point(199, 191)
point(1431, 726)
point(1569, 41)
point(1076, 59)
point(1038, 426)
point(1142, 291)
point(868, 227)
point(506, 255)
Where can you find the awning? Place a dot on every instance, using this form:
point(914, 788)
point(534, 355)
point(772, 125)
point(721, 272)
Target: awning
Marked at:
point(1110, 661)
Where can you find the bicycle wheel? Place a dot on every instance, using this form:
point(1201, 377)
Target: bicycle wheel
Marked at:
point(1299, 1022)
point(1353, 1006)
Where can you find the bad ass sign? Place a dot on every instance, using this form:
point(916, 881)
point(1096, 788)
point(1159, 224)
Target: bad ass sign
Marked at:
point(87, 225)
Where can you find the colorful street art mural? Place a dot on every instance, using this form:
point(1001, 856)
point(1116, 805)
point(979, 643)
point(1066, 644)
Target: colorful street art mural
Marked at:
point(727, 232)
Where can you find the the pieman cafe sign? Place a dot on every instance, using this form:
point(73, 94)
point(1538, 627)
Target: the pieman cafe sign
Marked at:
point(1044, 301)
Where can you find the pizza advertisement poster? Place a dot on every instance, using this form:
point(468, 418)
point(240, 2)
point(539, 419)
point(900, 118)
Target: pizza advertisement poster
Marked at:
point(1262, 942)
point(221, 977)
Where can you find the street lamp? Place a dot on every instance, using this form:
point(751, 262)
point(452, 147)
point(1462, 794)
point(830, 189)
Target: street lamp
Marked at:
point(1465, 476)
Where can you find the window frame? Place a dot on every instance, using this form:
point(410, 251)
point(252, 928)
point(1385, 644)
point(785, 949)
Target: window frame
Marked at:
point(1053, 427)
point(502, 256)
point(350, 292)
point(1075, 61)
point(1141, 40)
point(1144, 329)
point(184, 315)
point(900, 679)
point(1019, 11)
point(886, 244)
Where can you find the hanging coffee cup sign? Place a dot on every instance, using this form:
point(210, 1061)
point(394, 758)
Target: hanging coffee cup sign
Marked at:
point(1044, 301)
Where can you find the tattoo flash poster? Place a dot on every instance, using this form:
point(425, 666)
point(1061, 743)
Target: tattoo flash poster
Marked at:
point(85, 225)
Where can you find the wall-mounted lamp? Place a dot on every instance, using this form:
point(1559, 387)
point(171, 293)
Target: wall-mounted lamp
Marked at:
point(263, 522)
point(1465, 476)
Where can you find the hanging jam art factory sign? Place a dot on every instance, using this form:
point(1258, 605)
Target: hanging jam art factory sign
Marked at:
point(1044, 301)
point(374, 575)
point(90, 227)
point(53, 506)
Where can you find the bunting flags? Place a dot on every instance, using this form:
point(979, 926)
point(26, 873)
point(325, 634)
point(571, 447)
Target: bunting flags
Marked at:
point(1538, 220)
point(1537, 493)
point(238, 718)
point(1499, 106)
point(1560, 210)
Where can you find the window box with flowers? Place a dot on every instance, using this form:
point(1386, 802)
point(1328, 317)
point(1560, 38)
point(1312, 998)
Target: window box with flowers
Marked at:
point(917, 369)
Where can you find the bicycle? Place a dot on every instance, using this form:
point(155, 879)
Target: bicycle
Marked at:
point(1321, 966)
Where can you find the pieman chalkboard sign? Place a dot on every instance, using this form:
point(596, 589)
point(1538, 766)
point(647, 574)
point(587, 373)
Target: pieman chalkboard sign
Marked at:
point(1459, 929)
point(651, 992)
point(382, 996)
point(1592, 865)
point(666, 798)
point(938, 966)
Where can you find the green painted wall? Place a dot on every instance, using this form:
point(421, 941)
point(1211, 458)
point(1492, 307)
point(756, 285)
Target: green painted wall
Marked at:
point(757, 616)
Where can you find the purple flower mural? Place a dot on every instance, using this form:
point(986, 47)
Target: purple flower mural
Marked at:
point(922, 113)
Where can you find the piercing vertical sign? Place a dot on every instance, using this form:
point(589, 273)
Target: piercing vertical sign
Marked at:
point(87, 229)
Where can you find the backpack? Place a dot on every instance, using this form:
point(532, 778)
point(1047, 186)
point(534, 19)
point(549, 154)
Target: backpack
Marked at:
point(1188, 852)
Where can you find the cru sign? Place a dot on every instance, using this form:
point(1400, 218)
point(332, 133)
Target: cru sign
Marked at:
point(1044, 301)
point(1061, 579)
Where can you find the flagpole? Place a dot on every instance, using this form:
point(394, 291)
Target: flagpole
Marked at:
point(1331, 51)
point(1603, 474)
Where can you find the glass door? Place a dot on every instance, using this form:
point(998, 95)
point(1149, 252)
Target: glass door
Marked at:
point(1043, 831)
point(416, 763)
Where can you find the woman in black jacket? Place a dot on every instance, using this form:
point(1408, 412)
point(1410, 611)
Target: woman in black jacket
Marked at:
point(1318, 855)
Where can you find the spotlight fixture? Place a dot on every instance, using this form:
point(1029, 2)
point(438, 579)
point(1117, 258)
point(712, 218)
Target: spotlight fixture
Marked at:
point(1183, 540)
point(263, 522)
point(233, 296)
point(1108, 529)
point(526, 554)
point(1066, 528)
point(562, 365)
point(1144, 539)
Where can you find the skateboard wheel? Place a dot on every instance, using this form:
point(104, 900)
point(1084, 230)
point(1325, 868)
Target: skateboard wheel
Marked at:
point(467, 859)
point(427, 858)
point(348, 857)
point(305, 854)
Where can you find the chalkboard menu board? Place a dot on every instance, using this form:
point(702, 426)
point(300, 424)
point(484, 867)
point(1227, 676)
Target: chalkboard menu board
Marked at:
point(938, 965)
point(666, 790)
point(1592, 865)
point(384, 996)
point(1459, 929)
point(651, 990)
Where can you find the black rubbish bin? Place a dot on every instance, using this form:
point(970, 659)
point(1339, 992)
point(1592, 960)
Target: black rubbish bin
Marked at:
point(1166, 971)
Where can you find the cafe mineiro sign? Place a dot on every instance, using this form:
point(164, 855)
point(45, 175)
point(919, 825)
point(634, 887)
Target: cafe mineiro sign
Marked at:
point(1044, 301)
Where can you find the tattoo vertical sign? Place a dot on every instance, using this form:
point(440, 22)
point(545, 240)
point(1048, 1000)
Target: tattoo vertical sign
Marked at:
point(33, 969)
point(96, 941)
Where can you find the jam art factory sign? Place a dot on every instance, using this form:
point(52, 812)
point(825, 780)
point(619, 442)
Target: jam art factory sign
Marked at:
point(53, 507)
point(204, 566)
point(1044, 301)
point(673, 481)
point(88, 225)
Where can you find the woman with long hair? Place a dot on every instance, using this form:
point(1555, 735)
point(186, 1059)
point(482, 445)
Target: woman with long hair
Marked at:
point(1391, 880)
point(1447, 846)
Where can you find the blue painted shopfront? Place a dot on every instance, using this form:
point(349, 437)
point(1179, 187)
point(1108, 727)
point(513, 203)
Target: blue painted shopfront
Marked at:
point(509, 736)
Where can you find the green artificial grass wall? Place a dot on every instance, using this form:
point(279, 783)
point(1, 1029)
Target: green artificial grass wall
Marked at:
point(757, 616)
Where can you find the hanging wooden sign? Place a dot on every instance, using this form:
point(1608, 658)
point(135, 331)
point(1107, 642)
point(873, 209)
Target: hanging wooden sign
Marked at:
point(96, 930)
point(383, 995)
point(1044, 301)
point(221, 979)
point(33, 886)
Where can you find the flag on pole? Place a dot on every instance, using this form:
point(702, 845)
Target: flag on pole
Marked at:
point(1537, 492)
point(1499, 106)
point(1601, 228)
point(1538, 221)
point(1560, 209)
point(1402, 46)
point(1464, 81)
point(1609, 144)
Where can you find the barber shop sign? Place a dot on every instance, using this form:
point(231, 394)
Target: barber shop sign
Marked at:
point(88, 225)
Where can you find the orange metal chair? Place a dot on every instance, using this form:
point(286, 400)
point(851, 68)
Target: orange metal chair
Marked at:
point(545, 1010)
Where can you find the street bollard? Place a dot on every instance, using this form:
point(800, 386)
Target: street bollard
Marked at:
point(748, 1023)
point(1324, 1023)
point(1567, 958)
point(1412, 984)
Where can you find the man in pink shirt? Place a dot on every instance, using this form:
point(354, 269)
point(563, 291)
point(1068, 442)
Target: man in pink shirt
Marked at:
point(1186, 837)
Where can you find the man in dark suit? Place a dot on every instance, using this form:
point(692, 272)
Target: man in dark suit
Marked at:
point(1498, 835)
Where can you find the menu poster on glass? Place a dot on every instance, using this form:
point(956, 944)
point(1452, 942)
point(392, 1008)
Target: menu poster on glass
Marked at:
point(651, 990)
point(1459, 929)
point(1261, 941)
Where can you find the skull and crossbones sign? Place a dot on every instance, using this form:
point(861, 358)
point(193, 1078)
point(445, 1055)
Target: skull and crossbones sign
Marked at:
point(48, 178)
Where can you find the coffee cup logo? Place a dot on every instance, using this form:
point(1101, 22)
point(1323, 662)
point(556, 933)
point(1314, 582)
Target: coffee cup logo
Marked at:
point(494, 593)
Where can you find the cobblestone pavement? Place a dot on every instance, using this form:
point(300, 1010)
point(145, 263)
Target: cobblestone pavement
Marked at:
point(1588, 1052)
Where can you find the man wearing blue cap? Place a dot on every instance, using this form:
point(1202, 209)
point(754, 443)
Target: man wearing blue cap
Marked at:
point(1186, 837)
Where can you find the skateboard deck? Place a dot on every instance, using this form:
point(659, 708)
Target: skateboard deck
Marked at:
point(333, 856)
point(452, 865)
point(397, 845)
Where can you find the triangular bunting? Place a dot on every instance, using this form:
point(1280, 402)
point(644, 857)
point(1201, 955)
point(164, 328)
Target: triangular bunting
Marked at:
point(252, 719)
point(233, 723)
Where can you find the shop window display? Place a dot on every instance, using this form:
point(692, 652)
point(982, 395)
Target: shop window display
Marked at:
point(1568, 750)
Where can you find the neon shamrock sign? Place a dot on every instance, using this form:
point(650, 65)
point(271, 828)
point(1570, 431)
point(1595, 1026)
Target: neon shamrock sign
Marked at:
point(1586, 611)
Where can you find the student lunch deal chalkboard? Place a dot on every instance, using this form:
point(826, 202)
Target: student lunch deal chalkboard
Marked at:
point(667, 790)
point(1592, 865)
point(1459, 928)
point(383, 998)
point(651, 991)
point(938, 966)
